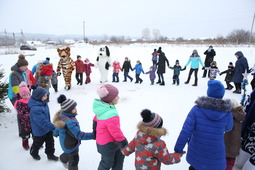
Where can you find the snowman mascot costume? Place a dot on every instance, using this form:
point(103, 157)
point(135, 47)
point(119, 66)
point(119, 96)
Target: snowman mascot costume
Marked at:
point(103, 63)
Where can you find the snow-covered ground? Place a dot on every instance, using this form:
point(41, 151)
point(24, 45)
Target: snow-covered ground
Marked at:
point(171, 102)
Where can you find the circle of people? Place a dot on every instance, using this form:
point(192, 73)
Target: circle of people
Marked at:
point(219, 132)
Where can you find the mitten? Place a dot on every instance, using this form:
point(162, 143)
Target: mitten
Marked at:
point(180, 154)
point(123, 143)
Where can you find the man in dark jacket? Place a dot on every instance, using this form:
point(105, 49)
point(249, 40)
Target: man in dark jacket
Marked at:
point(210, 53)
point(240, 67)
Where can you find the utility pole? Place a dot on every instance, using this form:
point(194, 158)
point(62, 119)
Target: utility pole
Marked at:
point(252, 29)
point(84, 39)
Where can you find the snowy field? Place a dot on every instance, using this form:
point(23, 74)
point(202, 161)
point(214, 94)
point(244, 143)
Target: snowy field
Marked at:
point(171, 102)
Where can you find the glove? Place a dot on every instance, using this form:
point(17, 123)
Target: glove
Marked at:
point(180, 154)
point(203, 68)
point(184, 68)
point(58, 73)
point(220, 74)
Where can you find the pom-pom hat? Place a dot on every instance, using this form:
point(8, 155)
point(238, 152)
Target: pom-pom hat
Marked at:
point(215, 89)
point(23, 89)
point(67, 105)
point(22, 61)
point(151, 119)
point(107, 93)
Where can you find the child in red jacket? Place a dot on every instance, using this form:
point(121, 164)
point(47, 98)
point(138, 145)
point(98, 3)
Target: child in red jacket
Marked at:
point(46, 69)
point(87, 68)
point(79, 70)
point(149, 149)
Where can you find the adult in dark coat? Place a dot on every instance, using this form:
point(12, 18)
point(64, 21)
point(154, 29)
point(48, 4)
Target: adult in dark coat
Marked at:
point(210, 53)
point(161, 66)
point(240, 67)
point(246, 158)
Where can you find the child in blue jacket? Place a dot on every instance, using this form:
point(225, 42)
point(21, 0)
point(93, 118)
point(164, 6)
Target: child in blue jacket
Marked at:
point(138, 69)
point(42, 128)
point(68, 130)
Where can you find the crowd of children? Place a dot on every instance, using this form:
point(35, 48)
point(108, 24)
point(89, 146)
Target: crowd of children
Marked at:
point(33, 117)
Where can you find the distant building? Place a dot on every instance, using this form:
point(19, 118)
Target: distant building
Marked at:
point(69, 41)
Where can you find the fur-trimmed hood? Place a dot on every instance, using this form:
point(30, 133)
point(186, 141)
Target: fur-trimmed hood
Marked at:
point(213, 103)
point(60, 120)
point(217, 107)
point(147, 134)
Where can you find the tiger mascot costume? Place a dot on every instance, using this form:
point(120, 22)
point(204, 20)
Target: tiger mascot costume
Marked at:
point(67, 65)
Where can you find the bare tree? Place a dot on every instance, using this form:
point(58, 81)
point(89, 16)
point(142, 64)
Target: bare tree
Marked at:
point(239, 36)
point(146, 34)
point(156, 34)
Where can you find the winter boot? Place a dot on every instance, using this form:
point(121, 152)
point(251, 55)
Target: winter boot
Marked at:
point(173, 82)
point(195, 84)
point(159, 81)
point(36, 157)
point(237, 91)
point(162, 84)
point(52, 157)
point(25, 144)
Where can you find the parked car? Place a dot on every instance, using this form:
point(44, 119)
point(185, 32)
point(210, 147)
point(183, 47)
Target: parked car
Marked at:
point(27, 47)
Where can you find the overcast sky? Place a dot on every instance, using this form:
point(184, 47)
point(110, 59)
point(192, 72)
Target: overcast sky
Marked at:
point(173, 18)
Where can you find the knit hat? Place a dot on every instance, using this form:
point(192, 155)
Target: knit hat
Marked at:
point(239, 54)
point(38, 92)
point(67, 105)
point(151, 119)
point(87, 60)
point(23, 89)
point(195, 52)
point(107, 93)
point(215, 89)
point(159, 50)
point(210, 46)
point(78, 56)
point(230, 65)
point(177, 62)
point(138, 61)
point(126, 58)
point(22, 61)
point(214, 63)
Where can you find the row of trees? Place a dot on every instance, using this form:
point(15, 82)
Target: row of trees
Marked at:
point(235, 37)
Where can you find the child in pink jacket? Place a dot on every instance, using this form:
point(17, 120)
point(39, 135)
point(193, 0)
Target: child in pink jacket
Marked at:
point(106, 126)
point(116, 70)
point(23, 111)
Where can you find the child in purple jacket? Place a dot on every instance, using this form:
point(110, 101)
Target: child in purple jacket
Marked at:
point(152, 74)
